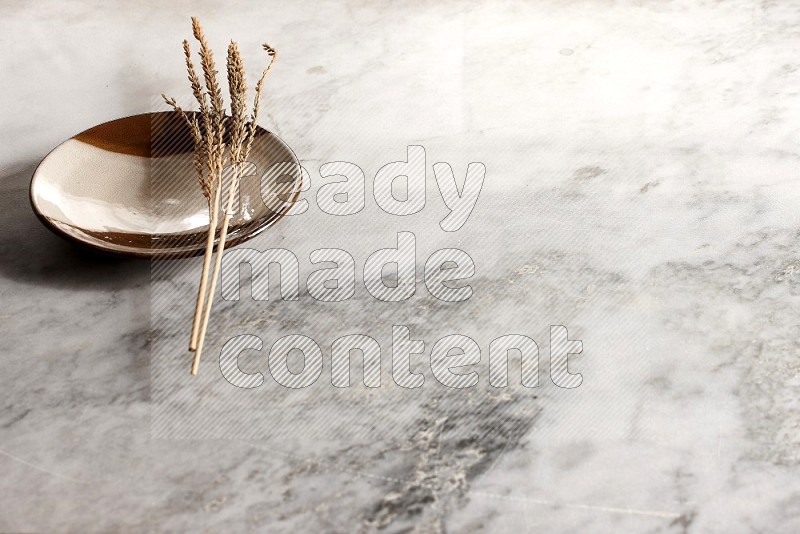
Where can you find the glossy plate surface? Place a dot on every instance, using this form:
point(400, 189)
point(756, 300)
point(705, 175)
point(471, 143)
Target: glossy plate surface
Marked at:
point(129, 187)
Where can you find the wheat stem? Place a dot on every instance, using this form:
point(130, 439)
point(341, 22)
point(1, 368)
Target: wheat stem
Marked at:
point(217, 264)
point(210, 155)
point(240, 150)
point(202, 289)
point(273, 55)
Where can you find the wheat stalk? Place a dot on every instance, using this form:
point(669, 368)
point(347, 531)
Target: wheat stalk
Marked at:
point(209, 150)
point(273, 55)
point(213, 114)
point(242, 134)
point(208, 135)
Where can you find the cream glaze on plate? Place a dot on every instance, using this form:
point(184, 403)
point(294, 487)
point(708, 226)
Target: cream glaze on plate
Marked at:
point(129, 187)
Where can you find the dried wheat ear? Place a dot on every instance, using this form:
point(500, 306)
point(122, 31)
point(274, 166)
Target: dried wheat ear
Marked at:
point(211, 155)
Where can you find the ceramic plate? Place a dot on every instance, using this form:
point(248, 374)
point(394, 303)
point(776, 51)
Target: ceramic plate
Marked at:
point(129, 187)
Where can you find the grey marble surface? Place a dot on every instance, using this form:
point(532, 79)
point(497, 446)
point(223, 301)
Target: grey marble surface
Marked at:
point(641, 189)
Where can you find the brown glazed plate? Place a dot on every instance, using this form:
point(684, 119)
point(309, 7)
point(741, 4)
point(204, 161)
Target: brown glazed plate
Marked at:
point(128, 187)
